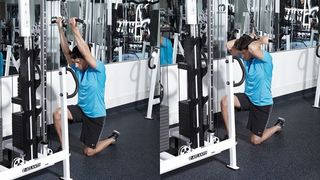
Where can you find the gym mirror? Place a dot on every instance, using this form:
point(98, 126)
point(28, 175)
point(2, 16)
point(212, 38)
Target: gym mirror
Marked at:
point(117, 30)
point(299, 23)
point(10, 32)
point(289, 24)
point(134, 29)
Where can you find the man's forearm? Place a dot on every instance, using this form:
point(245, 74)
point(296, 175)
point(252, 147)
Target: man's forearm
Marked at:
point(231, 49)
point(82, 45)
point(255, 47)
point(230, 44)
point(63, 41)
point(263, 40)
point(65, 46)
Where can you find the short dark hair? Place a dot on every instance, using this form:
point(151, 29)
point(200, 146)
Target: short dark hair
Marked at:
point(75, 53)
point(243, 42)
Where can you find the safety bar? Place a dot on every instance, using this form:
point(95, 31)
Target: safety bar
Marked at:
point(242, 69)
point(77, 83)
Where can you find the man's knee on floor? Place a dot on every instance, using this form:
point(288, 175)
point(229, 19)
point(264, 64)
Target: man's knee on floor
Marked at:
point(89, 151)
point(255, 139)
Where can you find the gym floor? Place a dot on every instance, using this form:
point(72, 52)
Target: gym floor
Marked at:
point(293, 153)
point(290, 154)
point(133, 157)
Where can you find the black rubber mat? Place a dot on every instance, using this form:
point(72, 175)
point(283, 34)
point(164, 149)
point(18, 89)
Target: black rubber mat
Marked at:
point(291, 154)
point(135, 156)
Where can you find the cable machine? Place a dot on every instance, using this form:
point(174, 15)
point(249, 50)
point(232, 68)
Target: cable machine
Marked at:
point(190, 144)
point(29, 134)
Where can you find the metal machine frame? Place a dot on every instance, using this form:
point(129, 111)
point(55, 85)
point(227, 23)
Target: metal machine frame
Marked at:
point(10, 60)
point(155, 57)
point(45, 159)
point(26, 143)
point(154, 61)
point(316, 103)
point(169, 162)
point(201, 148)
point(317, 96)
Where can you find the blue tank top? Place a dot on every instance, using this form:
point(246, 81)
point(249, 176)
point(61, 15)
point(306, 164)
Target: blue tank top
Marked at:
point(1, 64)
point(258, 80)
point(91, 90)
point(166, 51)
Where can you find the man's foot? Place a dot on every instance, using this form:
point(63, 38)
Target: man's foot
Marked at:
point(280, 122)
point(115, 134)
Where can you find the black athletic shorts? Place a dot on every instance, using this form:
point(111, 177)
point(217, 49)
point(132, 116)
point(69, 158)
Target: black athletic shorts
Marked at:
point(91, 127)
point(258, 115)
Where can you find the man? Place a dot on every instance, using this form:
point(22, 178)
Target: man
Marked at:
point(90, 109)
point(257, 98)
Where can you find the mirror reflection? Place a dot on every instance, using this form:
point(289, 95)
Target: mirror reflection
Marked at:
point(131, 27)
point(123, 30)
point(289, 24)
point(9, 32)
point(300, 23)
point(117, 31)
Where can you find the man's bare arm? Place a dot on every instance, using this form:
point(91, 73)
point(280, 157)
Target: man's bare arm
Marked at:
point(231, 49)
point(63, 42)
point(255, 47)
point(82, 45)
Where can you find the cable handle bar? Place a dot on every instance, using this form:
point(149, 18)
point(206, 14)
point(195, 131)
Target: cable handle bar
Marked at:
point(150, 59)
point(243, 72)
point(54, 20)
point(76, 81)
point(140, 2)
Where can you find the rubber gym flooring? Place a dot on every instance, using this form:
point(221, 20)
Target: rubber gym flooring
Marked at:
point(292, 154)
point(135, 156)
